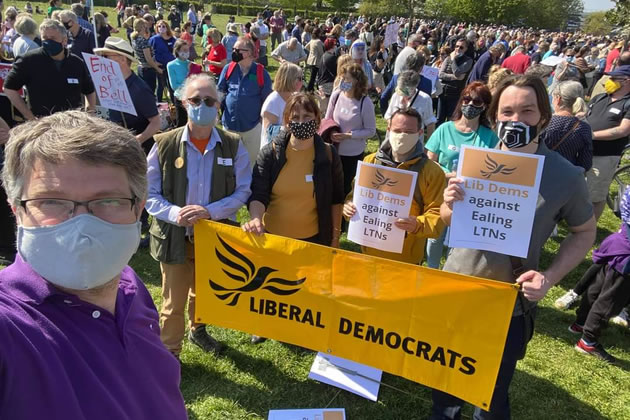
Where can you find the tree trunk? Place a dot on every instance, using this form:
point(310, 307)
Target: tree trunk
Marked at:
point(238, 7)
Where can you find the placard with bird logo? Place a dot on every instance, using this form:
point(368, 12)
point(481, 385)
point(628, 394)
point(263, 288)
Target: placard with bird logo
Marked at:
point(500, 198)
point(381, 195)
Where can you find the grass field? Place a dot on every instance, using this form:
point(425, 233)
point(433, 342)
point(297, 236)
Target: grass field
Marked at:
point(552, 382)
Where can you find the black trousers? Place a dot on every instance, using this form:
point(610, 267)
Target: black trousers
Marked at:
point(587, 279)
point(604, 298)
point(446, 105)
point(349, 164)
point(312, 79)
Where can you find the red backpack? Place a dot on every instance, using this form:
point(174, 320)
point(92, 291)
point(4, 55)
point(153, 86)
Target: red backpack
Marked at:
point(259, 73)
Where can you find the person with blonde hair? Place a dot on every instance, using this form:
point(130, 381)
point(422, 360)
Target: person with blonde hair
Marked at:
point(566, 133)
point(496, 75)
point(342, 61)
point(287, 81)
point(148, 68)
point(353, 111)
point(162, 43)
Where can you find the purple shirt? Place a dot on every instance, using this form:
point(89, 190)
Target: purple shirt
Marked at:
point(63, 358)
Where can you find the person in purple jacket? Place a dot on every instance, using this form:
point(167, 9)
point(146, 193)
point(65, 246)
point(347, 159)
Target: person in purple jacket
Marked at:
point(609, 288)
point(79, 330)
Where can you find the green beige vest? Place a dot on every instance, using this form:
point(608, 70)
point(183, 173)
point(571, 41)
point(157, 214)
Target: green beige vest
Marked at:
point(168, 241)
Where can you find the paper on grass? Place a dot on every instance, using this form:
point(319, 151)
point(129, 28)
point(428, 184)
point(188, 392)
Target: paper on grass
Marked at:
point(346, 374)
point(308, 414)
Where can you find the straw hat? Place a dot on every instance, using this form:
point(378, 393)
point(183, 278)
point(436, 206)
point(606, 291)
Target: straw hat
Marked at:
point(116, 45)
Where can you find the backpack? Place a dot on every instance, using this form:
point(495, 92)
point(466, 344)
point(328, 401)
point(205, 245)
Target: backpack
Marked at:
point(259, 73)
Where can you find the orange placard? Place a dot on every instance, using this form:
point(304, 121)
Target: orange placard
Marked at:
point(488, 165)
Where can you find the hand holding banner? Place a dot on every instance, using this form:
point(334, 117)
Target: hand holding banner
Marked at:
point(444, 330)
point(501, 193)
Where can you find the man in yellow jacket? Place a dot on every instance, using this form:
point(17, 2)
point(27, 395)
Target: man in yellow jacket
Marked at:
point(403, 150)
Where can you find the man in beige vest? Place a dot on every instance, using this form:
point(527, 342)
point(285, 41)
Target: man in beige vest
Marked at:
point(195, 172)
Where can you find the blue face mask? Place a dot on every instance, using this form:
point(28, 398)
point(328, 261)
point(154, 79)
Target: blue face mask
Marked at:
point(81, 253)
point(345, 86)
point(202, 115)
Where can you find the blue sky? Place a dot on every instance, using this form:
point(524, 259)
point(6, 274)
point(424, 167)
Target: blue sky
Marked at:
point(593, 5)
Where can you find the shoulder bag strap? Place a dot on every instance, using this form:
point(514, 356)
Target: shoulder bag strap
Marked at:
point(575, 126)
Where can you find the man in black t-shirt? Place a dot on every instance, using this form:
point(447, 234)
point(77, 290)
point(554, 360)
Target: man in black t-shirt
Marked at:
point(609, 117)
point(56, 79)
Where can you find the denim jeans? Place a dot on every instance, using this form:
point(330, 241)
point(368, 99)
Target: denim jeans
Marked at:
point(435, 250)
point(448, 407)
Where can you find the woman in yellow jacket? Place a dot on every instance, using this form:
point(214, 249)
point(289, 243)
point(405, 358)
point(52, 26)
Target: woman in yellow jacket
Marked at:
point(403, 150)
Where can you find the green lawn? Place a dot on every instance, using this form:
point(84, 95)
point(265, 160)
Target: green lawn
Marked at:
point(552, 382)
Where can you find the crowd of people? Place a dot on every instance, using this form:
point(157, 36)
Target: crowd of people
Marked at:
point(81, 187)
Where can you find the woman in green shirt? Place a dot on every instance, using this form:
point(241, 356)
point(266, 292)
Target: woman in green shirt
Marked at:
point(469, 127)
point(54, 5)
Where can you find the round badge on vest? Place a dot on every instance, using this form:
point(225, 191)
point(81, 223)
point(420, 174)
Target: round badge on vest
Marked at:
point(179, 162)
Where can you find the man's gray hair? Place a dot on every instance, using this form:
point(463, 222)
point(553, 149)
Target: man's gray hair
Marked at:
point(72, 135)
point(201, 77)
point(78, 9)
point(415, 61)
point(408, 79)
point(53, 24)
point(415, 38)
point(68, 15)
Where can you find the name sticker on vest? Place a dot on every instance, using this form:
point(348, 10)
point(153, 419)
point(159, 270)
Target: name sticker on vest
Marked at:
point(615, 111)
point(224, 161)
point(309, 178)
point(179, 162)
point(73, 81)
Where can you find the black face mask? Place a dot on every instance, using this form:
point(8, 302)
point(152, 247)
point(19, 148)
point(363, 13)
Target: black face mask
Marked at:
point(237, 56)
point(516, 134)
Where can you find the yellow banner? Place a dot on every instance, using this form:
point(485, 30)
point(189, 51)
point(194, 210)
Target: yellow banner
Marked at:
point(440, 329)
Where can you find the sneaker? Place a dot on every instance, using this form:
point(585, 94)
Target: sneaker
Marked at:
point(200, 337)
point(596, 350)
point(622, 319)
point(566, 301)
point(257, 339)
point(576, 328)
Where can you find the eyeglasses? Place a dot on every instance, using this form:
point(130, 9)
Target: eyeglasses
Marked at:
point(52, 211)
point(469, 99)
point(208, 100)
point(240, 49)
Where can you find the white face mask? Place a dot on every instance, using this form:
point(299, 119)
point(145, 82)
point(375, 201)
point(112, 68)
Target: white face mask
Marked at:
point(183, 56)
point(81, 253)
point(402, 142)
